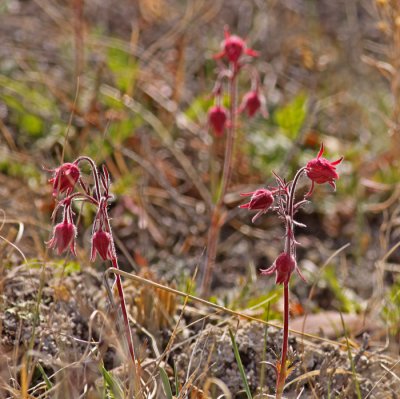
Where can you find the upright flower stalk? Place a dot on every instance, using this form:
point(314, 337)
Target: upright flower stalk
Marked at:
point(282, 200)
point(221, 120)
point(65, 180)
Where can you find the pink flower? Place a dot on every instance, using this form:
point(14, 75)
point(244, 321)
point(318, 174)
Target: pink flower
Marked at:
point(251, 103)
point(102, 243)
point(319, 170)
point(65, 178)
point(233, 47)
point(63, 237)
point(261, 200)
point(283, 266)
point(217, 117)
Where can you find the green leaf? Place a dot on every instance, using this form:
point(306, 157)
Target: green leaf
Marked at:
point(347, 305)
point(111, 382)
point(32, 124)
point(123, 66)
point(290, 118)
point(240, 366)
point(166, 384)
point(48, 383)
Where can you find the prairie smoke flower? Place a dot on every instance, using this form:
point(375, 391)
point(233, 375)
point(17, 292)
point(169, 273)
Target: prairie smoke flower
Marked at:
point(261, 200)
point(65, 178)
point(64, 234)
point(101, 243)
point(233, 47)
point(217, 117)
point(319, 170)
point(283, 266)
point(251, 103)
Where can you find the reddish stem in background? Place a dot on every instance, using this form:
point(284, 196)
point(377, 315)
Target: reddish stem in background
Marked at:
point(213, 235)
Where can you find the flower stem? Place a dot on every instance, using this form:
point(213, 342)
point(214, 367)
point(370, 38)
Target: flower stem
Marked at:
point(280, 382)
point(290, 250)
point(216, 215)
point(124, 312)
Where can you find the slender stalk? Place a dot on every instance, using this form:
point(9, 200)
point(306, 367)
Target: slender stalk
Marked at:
point(290, 250)
point(124, 312)
point(280, 382)
point(94, 172)
point(216, 222)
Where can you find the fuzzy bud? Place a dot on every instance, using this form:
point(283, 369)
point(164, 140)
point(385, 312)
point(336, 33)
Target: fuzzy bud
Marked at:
point(64, 234)
point(102, 244)
point(217, 117)
point(251, 103)
point(233, 47)
point(319, 170)
point(65, 178)
point(283, 266)
point(261, 200)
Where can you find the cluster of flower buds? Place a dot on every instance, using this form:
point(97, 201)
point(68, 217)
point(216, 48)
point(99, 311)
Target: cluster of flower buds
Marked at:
point(233, 49)
point(319, 170)
point(65, 179)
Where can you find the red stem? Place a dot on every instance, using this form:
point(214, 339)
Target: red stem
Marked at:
point(124, 312)
point(280, 382)
point(213, 234)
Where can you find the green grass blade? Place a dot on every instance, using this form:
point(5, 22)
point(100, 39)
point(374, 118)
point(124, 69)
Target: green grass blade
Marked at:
point(112, 383)
point(240, 366)
point(49, 385)
point(353, 368)
point(166, 384)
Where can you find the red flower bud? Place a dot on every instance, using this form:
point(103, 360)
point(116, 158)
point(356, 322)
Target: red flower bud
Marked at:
point(64, 235)
point(261, 200)
point(321, 171)
point(102, 243)
point(217, 117)
point(283, 266)
point(233, 47)
point(65, 178)
point(251, 103)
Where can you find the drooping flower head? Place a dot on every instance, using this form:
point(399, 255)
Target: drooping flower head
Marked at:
point(261, 200)
point(217, 117)
point(65, 178)
point(102, 244)
point(233, 47)
point(64, 234)
point(319, 170)
point(283, 266)
point(251, 103)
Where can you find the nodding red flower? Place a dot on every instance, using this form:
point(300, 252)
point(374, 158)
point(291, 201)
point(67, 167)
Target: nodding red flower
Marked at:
point(283, 266)
point(65, 178)
point(217, 117)
point(102, 243)
point(64, 234)
point(251, 103)
point(261, 200)
point(233, 47)
point(319, 170)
